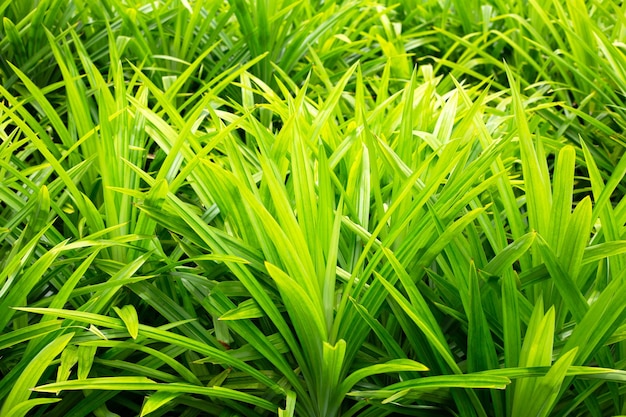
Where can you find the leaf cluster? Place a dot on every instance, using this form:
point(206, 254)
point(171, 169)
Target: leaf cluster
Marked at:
point(347, 208)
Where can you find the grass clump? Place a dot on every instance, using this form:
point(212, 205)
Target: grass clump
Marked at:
point(311, 209)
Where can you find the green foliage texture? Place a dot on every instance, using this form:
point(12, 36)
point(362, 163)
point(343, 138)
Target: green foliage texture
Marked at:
point(312, 208)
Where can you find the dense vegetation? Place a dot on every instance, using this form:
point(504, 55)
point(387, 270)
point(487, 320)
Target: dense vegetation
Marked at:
point(312, 208)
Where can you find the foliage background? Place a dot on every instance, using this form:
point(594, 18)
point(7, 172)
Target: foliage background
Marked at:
point(262, 207)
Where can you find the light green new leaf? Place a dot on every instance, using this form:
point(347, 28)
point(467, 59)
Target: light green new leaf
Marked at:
point(65, 292)
point(22, 409)
point(134, 383)
point(248, 309)
point(481, 352)
point(547, 388)
point(536, 351)
point(423, 323)
point(310, 322)
point(576, 238)
point(511, 319)
point(290, 406)
point(21, 391)
point(601, 320)
point(395, 365)
point(426, 384)
point(332, 365)
point(603, 250)
point(562, 187)
point(29, 279)
point(128, 314)
point(563, 281)
point(86, 355)
point(507, 256)
point(27, 333)
point(156, 401)
point(537, 181)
